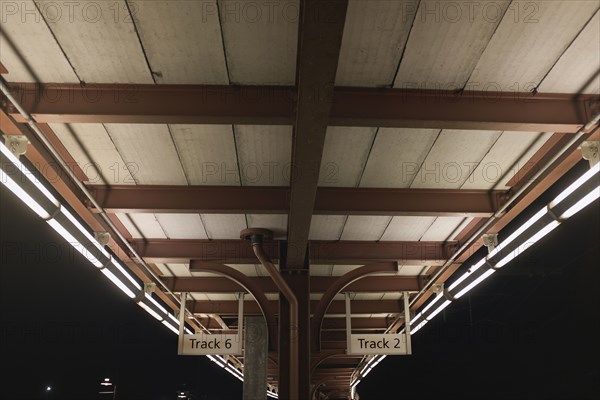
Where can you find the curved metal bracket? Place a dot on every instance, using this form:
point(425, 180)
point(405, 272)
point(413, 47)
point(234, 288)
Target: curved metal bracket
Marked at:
point(338, 286)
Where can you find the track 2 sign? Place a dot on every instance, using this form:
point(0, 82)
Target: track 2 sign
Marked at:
point(391, 344)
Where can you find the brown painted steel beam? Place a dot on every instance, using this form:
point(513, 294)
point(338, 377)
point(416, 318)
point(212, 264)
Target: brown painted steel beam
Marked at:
point(275, 200)
point(264, 105)
point(3, 69)
point(318, 284)
point(320, 252)
point(223, 307)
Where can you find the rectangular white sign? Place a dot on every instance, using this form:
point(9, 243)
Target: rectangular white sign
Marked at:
point(378, 344)
point(204, 344)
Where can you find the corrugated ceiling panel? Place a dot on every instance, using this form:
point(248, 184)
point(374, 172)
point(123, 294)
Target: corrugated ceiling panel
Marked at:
point(27, 48)
point(375, 34)
point(396, 157)
point(199, 296)
point(94, 152)
point(224, 226)
point(345, 155)
point(264, 154)
point(246, 269)
point(321, 270)
point(407, 228)
point(368, 296)
point(360, 227)
point(510, 153)
point(529, 40)
point(182, 40)
point(180, 269)
point(222, 296)
point(339, 270)
point(275, 222)
point(142, 225)
point(443, 228)
point(204, 274)
point(101, 42)
point(453, 158)
point(260, 41)
point(445, 44)
point(207, 154)
point(392, 296)
point(164, 269)
point(272, 296)
point(149, 153)
point(326, 227)
point(577, 70)
point(182, 226)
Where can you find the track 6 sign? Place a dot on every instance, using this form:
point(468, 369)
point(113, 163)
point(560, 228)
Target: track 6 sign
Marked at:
point(203, 344)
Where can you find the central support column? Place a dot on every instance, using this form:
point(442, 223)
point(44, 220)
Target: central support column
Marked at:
point(256, 350)
point(299, 281)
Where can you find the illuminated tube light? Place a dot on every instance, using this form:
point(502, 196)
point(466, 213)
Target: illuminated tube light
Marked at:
point(73, 242)
point(25, 171)
point(123, 271)
point(21, 194)
point(189, 332)
point(150, 311)
point(117, 282)
point(175, 320)
point(575, 185)
point(272, 394)
point(438, 310)
point(474, 283)
point(156, 303)
point(528, 243)
point(418, 327)
point(584, 202)
point(467, 274)
point(171, 327)
point(518, 232)
point(84, 231)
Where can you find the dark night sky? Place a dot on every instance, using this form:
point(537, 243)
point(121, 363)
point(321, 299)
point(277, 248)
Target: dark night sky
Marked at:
point(529, 332)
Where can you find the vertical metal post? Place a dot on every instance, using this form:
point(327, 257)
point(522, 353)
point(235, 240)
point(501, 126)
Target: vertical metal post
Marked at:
point(240, 316)
point(181, 322)
point(348, 323)
point(407, 322)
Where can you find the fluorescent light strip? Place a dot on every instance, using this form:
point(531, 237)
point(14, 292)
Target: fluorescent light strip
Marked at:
point(518, 232)
point(272, 394)
point(171, 327)
point(581, 204)
point(428, 306)
point(73, 242)
point(150, 311)
point(156, 303)
point(21, 194)
point(188, 331)
point(438, 310)
point(467, 274)
point(118, 283)
point(84, 231)
point(475, 283)
point(527, 243)
point(118, 265)
point(25, 171)
point(418, 327)
point(415, 319)
point(575, 185)
point(175, 320)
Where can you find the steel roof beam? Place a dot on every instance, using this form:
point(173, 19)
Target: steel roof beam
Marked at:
point(320, 252)
point(275, 200)
point(224, 307)
point(268, 105)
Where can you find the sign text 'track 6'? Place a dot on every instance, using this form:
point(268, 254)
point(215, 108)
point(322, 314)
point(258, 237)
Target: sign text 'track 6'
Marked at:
point(203, 344)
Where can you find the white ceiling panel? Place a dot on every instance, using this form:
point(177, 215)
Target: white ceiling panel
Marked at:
point(396, 156)
point(407, 229)
point(149, 153)
point(142, 226)
point(199, 296)
point(360, 227)
point(221, 296)
point(392, 296)
point(224, 226)
point(264, 154)
point(101, 42)
point(27, 46)
point(180, 269)
point(275, 222)
point(272, 296)
point(182, 226)
point(443, 228)
point(344, 155)
point(207, 154)
point(510, 153)
point(375, 34)
point(182, 40)
point(164, 269)
point(339, 270)
point(453, 158)
point(95, 153)
point(246, 269)
point(577, 71)
point(326, 227)
point(530, 39)
point(445, 44)
point(368, 296)
point(321, 270)
point(260, 40)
